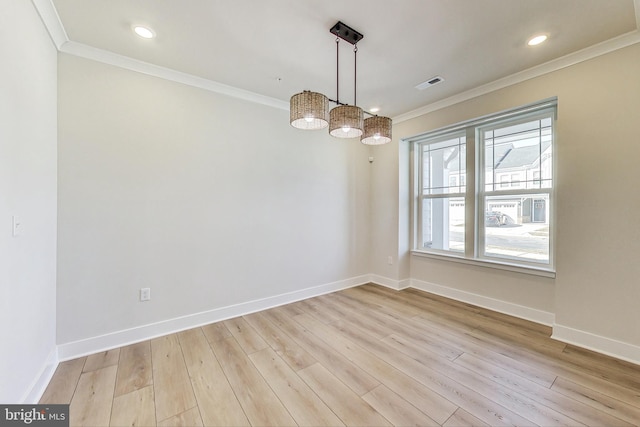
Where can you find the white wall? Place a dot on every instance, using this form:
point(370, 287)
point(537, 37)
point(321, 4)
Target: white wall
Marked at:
point(595, 294)
point(27, 190)
point(208, 200)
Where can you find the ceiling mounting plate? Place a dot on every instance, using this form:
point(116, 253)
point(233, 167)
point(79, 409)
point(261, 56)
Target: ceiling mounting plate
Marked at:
point(346, 33)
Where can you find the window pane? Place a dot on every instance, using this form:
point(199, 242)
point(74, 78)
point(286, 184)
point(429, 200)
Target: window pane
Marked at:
point(443, 166)
point(518, 156)
point(517, 227)
point(443, 224)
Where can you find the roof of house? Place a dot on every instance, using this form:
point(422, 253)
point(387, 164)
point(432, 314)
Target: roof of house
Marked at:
point(521, 156)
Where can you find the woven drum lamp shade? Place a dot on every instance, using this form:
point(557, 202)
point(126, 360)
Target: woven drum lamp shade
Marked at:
point(346, 121)
point(309, 110)
point(377, 131)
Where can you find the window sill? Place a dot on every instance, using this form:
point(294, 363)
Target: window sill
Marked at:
point(535, 271)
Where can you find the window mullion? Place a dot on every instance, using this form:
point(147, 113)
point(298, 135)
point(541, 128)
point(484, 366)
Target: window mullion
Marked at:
point(470, 194)
point(418, 188)
point(480, 191)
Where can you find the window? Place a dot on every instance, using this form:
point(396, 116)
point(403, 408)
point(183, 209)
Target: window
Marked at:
point(483, 190)
point(443, 202)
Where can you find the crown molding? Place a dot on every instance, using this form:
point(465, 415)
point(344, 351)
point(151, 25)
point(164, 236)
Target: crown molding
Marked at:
point(51, 20)
point(574, 58)
point(121, 61)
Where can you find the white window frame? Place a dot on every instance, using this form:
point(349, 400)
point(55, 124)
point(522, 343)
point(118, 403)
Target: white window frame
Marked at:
point(475, 194)
point(444, 195)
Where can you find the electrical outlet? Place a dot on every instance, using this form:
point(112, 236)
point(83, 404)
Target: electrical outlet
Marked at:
point(145, 294)
point(390, 260)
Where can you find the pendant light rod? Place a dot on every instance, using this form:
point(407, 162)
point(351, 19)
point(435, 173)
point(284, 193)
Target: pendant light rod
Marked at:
point(337, 70)
point(355, 73)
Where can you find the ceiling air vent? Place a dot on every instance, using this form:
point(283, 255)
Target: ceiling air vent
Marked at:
point(432, 81)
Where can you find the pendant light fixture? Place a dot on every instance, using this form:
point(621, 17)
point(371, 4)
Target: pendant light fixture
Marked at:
point(346, 121)
point(310, 110)
point(377, 130)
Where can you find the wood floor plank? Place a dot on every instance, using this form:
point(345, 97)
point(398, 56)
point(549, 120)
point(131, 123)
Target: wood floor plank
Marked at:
point(601, 402)
point(260, 404)
point(190, 418)
point(462, 418)
point(310, 306)
point(419, 295)
point(378, 309)
point(216, 332)
point(548, 397)
point(290, 309)
point(476, 316)
point(607, 388)
point(306, 408)
point(353, 303)
point(512, 400)
point(624, 373)
point(93, 398)
point(284, 346)
point(434, 404)
point(384, 326)
point(374, 325)
point(396, 409)
point(424, 300)
point(353, 376)
point(136, 408)
point(172, 387)
point(348, 406)
point(247, 337)
point(580, 374)
point(360, 295)
point(63, 383)
point(483, 319)
point(469, 345)
point(530, 354)
point(134, 368)
point(457, 394)
point(101, 360)
point(216, 400)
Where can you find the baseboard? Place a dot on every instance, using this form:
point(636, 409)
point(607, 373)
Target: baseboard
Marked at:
point(72, 350)
point(618, 349)
point(527, 313)
point(41, 381)
point(389, 283)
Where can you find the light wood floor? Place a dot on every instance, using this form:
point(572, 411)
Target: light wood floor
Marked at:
point(366, 356)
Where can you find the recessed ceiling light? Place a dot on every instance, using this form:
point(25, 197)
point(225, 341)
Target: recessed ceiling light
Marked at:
point(144, 32)
point(374, 110)
point(536, 40)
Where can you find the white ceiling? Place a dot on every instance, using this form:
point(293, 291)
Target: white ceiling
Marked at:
point(277, 48)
